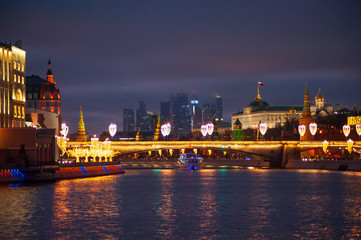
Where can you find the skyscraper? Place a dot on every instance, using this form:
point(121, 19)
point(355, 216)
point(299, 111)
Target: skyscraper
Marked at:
point(12, 86)
point(165, 115)
point(128, 120)
point(208, 112)
point(181, 121)
point(142, 116)
point(219, 109)
point(196, 112)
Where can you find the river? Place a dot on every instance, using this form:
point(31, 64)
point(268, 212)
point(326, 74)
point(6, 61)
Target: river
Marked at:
point(181, 204)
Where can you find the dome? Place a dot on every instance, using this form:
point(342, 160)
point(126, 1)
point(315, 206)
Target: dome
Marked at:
point(258, 103)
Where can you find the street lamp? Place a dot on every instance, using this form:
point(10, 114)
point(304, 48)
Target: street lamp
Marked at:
point(302, 130)
point(64, 130)
point(313, 128)
point(112, 129)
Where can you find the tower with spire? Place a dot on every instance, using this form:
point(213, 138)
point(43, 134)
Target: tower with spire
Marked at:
point(81, 134)
point(306, 117)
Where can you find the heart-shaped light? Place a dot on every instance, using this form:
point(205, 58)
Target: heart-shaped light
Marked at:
point(204, 130)
point(210, 128)
point(358, 129)
point(263, 128)
point(302, 130)
point(313, 128)
point(346, 130)
point(112, 129)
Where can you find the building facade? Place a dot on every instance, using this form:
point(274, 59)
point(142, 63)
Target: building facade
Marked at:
point(12, 86)
point(142, 120)
point(208, 112)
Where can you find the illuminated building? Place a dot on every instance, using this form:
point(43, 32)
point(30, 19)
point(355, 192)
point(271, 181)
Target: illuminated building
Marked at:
point(128, 120)
point(320, 108)
point(196, 112)
point(81, 134)
point(43, 93)
point(237, 133)
point(12, 86)
point(43, 101)
point(306, 119)
point(259, 111)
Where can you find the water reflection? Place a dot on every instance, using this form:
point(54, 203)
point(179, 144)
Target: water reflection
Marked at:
point(208, 205)
point(164, 205)
point(88, 202)
point(169, 204)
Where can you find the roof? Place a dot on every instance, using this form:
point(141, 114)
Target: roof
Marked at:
point(258, 103)
point(35, 79)
point(319, 95)
point(237, 122)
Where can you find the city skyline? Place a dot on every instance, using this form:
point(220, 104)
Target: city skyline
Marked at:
point(144, 51)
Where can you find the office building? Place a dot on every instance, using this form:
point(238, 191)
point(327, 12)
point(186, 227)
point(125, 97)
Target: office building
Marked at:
point(219, 109)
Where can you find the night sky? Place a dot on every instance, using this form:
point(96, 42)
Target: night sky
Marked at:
point(108, 55)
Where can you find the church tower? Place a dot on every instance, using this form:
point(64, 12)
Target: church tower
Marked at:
point(81, 134)
point(306, 117)
point(319, 100)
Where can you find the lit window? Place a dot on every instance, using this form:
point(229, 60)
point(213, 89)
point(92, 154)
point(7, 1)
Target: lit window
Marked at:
point(14, 65)
point(23, 108)
point(19, 111)
point(15, 115)
point(18, 66)
point(14, 78)
point(22, 80)
point(18, 79)
point(22, 68)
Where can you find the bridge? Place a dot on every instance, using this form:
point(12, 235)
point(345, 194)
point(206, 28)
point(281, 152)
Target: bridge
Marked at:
point(278, 153)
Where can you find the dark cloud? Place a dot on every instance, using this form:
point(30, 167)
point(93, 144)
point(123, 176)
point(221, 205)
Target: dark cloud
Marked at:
point(108, 55)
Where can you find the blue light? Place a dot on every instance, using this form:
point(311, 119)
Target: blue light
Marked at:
point(223, 170)
point(156, 170)
point(189, 168)
point(105, 169)
point(83, 170)
point(248, 159)
point(195, 168)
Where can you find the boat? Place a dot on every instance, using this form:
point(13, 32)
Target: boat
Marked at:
point(190, 161)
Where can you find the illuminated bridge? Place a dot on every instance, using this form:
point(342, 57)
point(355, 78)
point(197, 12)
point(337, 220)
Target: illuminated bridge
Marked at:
point(278, 153)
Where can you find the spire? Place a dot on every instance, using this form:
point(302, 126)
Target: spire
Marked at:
point(49, 74)
point(306, 104)
point(258, 98)
point(81, 135)
point(157, 131)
